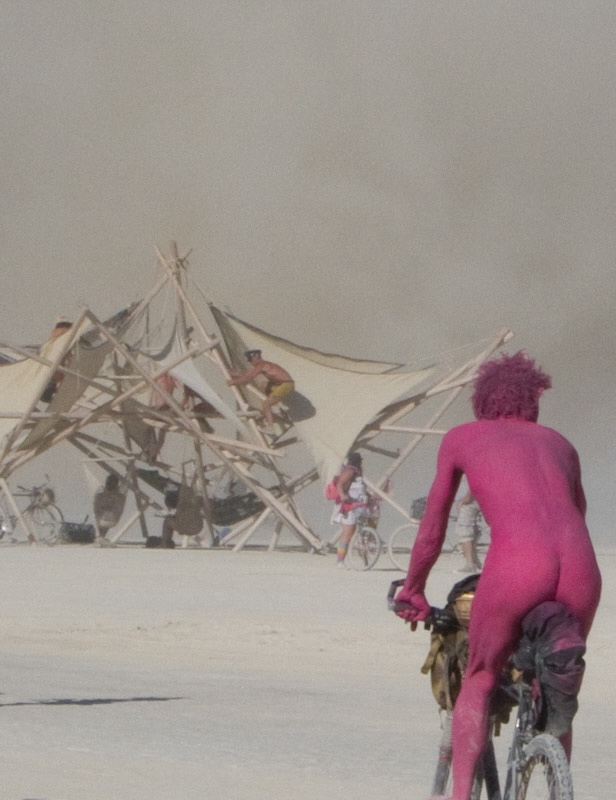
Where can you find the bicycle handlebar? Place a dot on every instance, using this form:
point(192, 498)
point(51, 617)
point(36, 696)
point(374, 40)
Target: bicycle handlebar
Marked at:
point(393, 604)
point(32, 489)
point(440, 619)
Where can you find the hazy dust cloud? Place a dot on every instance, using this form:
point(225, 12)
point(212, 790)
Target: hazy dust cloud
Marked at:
point(387, 179)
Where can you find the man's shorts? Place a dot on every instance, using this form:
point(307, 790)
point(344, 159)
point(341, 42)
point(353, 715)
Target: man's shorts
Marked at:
point(281, 390)
point(466, 526)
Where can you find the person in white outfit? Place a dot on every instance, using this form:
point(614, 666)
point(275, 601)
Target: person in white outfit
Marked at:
point(353, 499)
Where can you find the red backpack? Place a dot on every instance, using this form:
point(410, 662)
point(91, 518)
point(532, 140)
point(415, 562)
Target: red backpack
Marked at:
point(331, 490)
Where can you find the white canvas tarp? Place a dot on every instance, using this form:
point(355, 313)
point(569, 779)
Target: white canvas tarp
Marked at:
point(334, 398)
point(85, 362)
point(23, 382)
point(82, 350)
point(188, 375)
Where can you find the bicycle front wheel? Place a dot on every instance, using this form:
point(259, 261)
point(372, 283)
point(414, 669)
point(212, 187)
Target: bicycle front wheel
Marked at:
point(544, 774)
point(400, 545)
point(364, 549)
point(443, 784)
point(45, 522)
point(6, 526)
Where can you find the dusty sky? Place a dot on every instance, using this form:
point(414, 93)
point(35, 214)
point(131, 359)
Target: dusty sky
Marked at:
point(383, 178)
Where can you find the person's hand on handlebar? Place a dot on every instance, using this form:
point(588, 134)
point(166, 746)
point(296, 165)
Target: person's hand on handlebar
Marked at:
point(418, 608)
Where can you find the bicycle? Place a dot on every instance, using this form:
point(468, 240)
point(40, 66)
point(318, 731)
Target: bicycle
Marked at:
point(537, 766)
point(403, 538)
point(366, 545)
point(401, 543)
point(40, 522)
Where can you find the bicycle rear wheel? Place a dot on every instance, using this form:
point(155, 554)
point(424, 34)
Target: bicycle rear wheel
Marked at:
point(400, 545)
point(545, 773)
point(364, 549)
point(45, 522)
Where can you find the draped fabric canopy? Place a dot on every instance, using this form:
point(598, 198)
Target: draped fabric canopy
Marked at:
point(188, 375)
point(23, 382)
point(81, 349)
point(335, 397)
point(85, 362)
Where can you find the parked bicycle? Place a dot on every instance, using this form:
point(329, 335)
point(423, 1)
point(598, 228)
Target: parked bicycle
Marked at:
point(403, 538)
point(537, 767)
point(401, 543)
point(39, 523)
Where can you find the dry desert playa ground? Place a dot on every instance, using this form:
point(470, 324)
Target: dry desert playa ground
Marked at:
point(134, 674)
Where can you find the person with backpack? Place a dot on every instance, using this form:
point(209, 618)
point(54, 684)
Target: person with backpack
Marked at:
point(354, 497)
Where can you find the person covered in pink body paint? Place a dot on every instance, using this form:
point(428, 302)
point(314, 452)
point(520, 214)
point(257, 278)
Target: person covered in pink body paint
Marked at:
point(527, 481)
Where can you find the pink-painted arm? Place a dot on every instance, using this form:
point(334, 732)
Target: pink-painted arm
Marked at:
point(579, 496)
point(431, 534)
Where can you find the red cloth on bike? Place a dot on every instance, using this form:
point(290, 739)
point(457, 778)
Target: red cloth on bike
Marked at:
point(345, 507)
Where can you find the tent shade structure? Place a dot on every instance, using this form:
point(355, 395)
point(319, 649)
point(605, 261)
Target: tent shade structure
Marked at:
point(207, 434)
point(340, 396)
point(23, 381)
point(43, 393)
point(173, 358)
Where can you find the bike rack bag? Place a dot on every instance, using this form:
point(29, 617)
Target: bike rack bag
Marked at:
point(77, 533)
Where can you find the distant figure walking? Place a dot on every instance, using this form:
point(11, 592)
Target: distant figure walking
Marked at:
point(109, 503)
point(279, 383)
point(468, 531)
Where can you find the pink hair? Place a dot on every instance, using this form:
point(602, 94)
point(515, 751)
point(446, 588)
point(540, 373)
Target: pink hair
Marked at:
point(510, 387)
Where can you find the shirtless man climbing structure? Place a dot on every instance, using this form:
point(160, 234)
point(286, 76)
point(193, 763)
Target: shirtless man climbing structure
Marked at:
point(526, 479)
point(279, 382)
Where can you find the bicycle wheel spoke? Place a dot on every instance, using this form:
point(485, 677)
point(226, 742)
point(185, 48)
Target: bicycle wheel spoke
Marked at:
point(545, 775)
point(9, 532)
point(45, 523)
point(5, 523)
point(400, 545)
point(364, 549)
point(538, 782)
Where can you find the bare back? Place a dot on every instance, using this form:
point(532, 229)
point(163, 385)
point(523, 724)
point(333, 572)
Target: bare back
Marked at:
point(273, 372)
point(526, 479)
